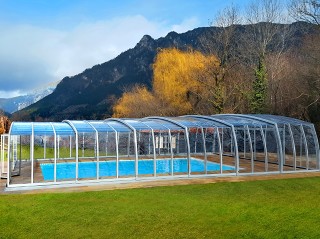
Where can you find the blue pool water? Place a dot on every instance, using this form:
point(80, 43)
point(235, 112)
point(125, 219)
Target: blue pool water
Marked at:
point(126, 168)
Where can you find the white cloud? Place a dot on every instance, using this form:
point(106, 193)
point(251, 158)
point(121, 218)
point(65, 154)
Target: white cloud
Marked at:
point(9, 94)
point(185, 25)
point(31, 56)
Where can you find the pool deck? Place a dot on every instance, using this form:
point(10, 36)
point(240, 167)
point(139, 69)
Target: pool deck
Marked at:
point(245, 167)
point(244, 164)
point(147, 184)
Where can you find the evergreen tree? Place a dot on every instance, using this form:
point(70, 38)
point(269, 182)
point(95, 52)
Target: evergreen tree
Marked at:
point(259, 88)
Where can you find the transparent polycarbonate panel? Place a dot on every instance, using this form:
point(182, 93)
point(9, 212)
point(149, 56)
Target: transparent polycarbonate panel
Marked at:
point(147, 166)
point(212, 148)
point(162, 143)
point(53, 157)
point(42, 128)
point(196, 141)
point(155, 125)
point(244, 150)
point(87, 152)
point(145, 143)
point(278, 119)
point(168, 125)
point(20, 160)
point(260, 154)
point(63, 129)
point(204, 122)
point(273, 148)
point(240, 120)
point(312, 149)
point(82, 126)
point(137, 125)
point(227, 141)
point(197, 151)
point(108, 163)
point(87, 145)
point(288, 148)
point(126, 144)
point(118, 126)
point(301, 157)
point(21, 128)
point(179, 142)
point(185, 122)
point(101, 126)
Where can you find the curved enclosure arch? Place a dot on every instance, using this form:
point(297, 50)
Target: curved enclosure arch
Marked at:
point(74, 151)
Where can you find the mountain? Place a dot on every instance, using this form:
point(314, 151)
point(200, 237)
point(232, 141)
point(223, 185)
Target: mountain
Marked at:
point(92, 93)
point(14, 104)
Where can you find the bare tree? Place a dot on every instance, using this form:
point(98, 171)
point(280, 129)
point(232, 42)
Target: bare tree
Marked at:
point(227, 20)
point(220, 41)
point(308, 70)
point(265, 38)
point(262, 16)
point(305, 10)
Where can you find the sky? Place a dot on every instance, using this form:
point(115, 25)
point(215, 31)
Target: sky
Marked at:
point(42, 41)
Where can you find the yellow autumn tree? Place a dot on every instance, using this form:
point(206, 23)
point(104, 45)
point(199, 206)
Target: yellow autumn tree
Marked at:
point(182, 82)
point(179, 78)
point(138, 102)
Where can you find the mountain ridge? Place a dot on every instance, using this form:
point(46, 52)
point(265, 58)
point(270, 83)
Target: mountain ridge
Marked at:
point(91, 94)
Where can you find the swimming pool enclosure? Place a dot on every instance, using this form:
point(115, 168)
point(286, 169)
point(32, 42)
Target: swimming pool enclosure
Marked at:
point(151, 148)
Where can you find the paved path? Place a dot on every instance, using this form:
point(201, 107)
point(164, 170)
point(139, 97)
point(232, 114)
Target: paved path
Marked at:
point(145, 184)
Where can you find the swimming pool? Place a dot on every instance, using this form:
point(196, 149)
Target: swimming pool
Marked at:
point(126, 168)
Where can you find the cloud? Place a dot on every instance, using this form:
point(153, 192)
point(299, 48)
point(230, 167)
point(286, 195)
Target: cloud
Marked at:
point(185, 25)
point(32, 56)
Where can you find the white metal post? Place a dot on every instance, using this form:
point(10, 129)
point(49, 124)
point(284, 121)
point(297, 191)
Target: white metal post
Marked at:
point(97, 153)
point(8, 161)
point(220, 149)
point(32, 152)
point(117, 151)
point(107, 136)
point(55, 154)
point(77, 156)
point(171, 151)
point(214, 143)
point(128, 146)
point(135, 141)
point(204, 150)
point(58, 147)
point(284, 143)
point(254, 143)
point(244, 142)
point(251, 150)
point(83, 145)
point(266, 166)
point(154, 154)
point(70, 147)
point(195, 142)
point(44, 147)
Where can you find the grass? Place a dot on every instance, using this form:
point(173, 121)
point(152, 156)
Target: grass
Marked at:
point(258, 209)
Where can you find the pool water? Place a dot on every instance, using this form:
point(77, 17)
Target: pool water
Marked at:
point(126, 168)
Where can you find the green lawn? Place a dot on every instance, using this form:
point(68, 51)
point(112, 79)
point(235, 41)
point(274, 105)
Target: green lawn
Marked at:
point(287, 208)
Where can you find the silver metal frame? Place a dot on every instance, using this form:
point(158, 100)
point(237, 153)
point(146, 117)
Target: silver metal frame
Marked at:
point(233, 134)
point(161, 121)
